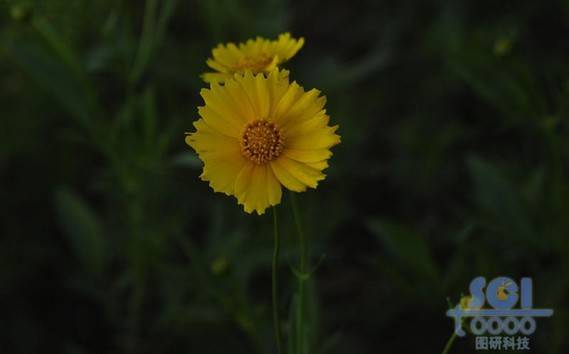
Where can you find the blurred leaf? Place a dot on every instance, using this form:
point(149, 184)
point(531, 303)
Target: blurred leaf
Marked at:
point(61, 48)
point(465, 233)
point(535, 185)
point(164, 18)
point(311, 314)
point(52, 76)
point(146, 43)
point(123, 120)
point(409, 248)
point(152, 33)
point(187, 159)
point(150, 115)
point(310, 319)
point(83, 230)
point(507, 83)
point(494, 194)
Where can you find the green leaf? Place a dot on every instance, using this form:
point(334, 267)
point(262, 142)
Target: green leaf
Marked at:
point(61, 48)
point(52, 75)
point(187, 159)
point(310, 319)
point(153, 30)
point(83, 230)
point(495, 195)
point(410, 249)
point(150, 115)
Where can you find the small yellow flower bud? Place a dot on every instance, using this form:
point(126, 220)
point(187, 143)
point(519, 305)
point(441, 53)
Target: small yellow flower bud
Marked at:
point(21, 12)
point(219, 265)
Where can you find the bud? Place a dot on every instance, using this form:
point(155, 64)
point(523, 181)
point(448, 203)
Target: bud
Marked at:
point(219, 265)
point(21, 12)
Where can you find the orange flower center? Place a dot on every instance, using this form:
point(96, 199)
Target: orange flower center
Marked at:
point(261, 142)
point(257, 64)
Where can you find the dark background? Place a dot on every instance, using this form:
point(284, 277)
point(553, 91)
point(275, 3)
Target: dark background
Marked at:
point(453, 164)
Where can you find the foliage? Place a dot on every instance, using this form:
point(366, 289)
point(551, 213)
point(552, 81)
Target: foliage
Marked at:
point(453, 164)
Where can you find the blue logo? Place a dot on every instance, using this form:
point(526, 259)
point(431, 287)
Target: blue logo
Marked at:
point(492, 307)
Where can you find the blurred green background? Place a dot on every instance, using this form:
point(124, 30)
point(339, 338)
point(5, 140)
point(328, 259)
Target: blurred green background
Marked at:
point(453, 164)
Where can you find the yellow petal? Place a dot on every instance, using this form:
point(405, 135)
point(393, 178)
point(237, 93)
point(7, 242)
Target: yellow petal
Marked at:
point(219, 99)
point(277, 84)
point(309, 126)
point(308, 155)
point(301, 171)
point(240, 99)
point(273, 186)
point(215, 65)
point(272, 65)
point(304, 108)
point(242, 183)
point(221, 169)
point(286, 101)
point(262, 96)
point(319, 165)
point(220, 123)
point(254, 188)
point(256, 92)
point(286, 178)
point(227, 55)
point(215, 77)
point(321, 139)
point(205, 140)
point(286, 47)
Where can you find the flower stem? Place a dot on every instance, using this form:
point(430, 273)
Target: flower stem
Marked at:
point(276, 318)
point(449, 343)
point(301, 278)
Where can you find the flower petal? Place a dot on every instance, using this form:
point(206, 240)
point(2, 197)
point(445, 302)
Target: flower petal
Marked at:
point(316, 123)
point(318, 165)
point(286, 47)
point(273, 186)
point(206, 139)
point(321, 139)
point(221, 169)
point(308, 155)
point(286, 178)
point(255, 188)
point(277, 84)
point(217, 78)
point(215, 65)
point(304, 108)
point(304, 173)
point(286, 102)
point(256, 91)
point(225, 109)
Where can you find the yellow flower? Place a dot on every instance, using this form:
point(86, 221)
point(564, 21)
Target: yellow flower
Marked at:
point(259, 55)
point(260, 132)
point(465, 302)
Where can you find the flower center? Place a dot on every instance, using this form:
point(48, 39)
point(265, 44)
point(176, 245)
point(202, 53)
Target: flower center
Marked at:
point(256, 64)
point(261, 141)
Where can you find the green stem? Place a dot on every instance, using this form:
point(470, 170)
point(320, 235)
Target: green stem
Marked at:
point(449, 343)
point(301, 279)
point(276, 318)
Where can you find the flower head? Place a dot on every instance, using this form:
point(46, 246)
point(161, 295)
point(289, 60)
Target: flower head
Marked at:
point(465, 302)
point(468, 302)
point(258, 133)
point(258, 55)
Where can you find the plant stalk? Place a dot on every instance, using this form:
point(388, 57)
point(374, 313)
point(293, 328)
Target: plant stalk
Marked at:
point(276, 250)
